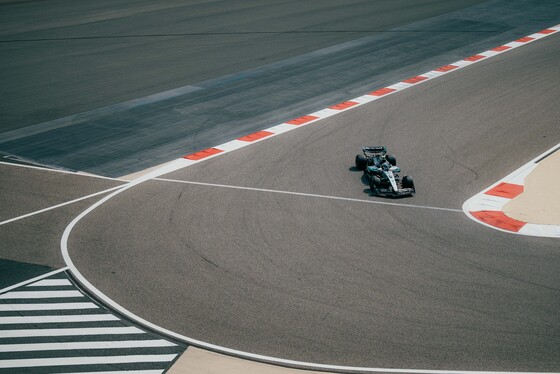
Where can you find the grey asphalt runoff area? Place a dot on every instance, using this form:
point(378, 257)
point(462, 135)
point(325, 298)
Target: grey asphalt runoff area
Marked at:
point(353, 283)
point(304, 278)
point(36, 239)
point(73, 76)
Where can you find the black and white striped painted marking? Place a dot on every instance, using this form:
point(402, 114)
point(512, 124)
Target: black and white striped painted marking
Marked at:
point(50, 326)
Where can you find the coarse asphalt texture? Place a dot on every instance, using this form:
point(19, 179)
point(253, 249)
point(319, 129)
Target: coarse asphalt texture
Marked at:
point(352, 283)
point(296, 277)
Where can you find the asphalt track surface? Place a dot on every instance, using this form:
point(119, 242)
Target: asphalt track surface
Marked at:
point(36, 239)
point(350, 283)
point(307, 278)
point(226, 69)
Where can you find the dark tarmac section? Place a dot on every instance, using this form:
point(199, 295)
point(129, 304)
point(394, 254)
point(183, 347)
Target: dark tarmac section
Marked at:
point(59, 58)
point(13, 272)
point(232, 67)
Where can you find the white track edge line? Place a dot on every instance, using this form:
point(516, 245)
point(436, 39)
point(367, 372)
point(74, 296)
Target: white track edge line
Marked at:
point(59, 205)
point(26, 294)
point(93, 360)
point(48, 319)
point(6, 307)
point(375, 202)
point(52, 283)
point(267, 359)
point(94, 344)
point(75, 331)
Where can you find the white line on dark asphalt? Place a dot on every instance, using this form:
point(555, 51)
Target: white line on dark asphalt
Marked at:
point(311, 195)
point(46, 306)
point(40, 294)
point(59, 205)
point(96, 339)
point(85, 345)
point(65, 361)
point(57, 319)
point(51, 283)
point(25, 333)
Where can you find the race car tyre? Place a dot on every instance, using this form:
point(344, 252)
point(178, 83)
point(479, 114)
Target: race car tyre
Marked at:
point(407, 182)
point(392, 159)
point(361, 162)
point(374, 183)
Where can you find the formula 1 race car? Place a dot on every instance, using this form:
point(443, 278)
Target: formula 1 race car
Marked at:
point(381, 171)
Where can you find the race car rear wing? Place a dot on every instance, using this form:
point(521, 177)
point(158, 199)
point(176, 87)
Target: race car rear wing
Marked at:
point(375, 149)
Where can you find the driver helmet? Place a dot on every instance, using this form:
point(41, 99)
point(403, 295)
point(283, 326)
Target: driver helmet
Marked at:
point(385, 166)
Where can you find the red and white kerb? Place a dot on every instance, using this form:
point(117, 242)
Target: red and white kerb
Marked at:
point(487, 206)
point(361, 100)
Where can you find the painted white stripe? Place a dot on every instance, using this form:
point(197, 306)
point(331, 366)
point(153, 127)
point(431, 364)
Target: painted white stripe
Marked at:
point(65, 361)
point(282, 128)
point(436, 74)
point(59, 205)
point(48, 306)
point(537, 36)
point(460, 64)
point(25, 333)
point(40, 294)
point(51, 283)
point(492, 53)
point(309, 195)
point(396, 87)
point(431, 75)
point(324, 113)
point(58, 319)
point(363, 99)
point(233, 145)
point(86, 345)
point(487, 202)
point(33, 280)
point(532, 229)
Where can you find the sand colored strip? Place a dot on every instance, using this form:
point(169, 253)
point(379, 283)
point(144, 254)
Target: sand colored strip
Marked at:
point(540, 201)
point(198, 361)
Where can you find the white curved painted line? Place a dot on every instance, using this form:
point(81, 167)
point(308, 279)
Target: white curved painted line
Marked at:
point(233, 145)
point(349, 199)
